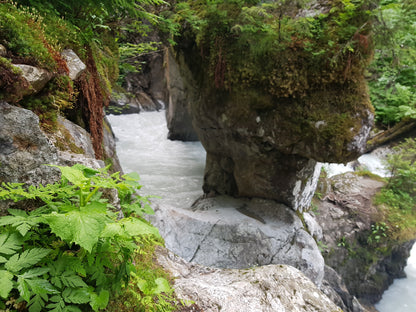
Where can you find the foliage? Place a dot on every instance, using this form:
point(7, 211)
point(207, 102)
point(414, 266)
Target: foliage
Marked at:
point(130, 54)
point(393, 72)
point(73, 251)
point(378, 233)
point(266, 45)
point(399, 196)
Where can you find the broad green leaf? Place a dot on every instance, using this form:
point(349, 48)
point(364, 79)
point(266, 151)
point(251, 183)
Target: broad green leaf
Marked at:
point(6, 220)
point(162, 286)
point(58, 305)
point(17, 212)
point(77, 227)
point(6, 283)
point(112, 230)
point(76, 295)
point(24, 227)
point(95, 207)
point(3, 259)
point(99, 301)
point(26, 259)
point(136, 227)
point(70, 279)
point(10, 243)
point(73, 175)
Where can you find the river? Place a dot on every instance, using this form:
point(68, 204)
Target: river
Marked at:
point(143, 147)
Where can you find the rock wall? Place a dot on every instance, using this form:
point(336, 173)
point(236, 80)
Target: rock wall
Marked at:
point(266, 114)
point(346, 214)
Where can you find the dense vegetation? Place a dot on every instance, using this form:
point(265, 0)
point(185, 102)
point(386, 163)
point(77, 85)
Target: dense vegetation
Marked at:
point(72, 249)
point(393, 71)
point(268, 45)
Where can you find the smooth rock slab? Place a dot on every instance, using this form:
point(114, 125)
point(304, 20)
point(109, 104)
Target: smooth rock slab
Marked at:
point(272, 288)
point(235, 233)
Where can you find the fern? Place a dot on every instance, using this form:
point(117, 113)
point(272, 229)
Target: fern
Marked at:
point(27, 259)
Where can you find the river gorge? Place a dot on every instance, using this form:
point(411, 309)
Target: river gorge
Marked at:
point(173, 170)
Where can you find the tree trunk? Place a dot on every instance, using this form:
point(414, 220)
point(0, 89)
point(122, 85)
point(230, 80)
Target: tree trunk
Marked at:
point(390, 134)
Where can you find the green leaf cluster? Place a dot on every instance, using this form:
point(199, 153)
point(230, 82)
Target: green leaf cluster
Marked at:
point(393, 71)
point(73, 251)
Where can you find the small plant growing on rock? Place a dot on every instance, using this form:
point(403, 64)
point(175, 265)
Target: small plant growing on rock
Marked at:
point(378, 233)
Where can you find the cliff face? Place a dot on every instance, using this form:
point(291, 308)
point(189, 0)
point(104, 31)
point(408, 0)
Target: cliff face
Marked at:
point(269, 102)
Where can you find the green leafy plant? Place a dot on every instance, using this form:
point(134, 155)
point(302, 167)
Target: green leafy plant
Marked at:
point(398, 198)
point(378, 232)
point(74, 250)
point(392, 72)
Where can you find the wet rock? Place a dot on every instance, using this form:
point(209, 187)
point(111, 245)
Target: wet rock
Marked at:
point(110, 152)
point(122, 103)
point(336, 290)
point(75, 66)
point(269, 288)
point(36, 77)
point(182, 92)
point(228, 233)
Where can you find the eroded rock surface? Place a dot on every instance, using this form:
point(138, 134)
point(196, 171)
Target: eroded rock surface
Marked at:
point(266, 119)
point(346, 214)
point(228, 233)
point(24, 148)
point(272, 288)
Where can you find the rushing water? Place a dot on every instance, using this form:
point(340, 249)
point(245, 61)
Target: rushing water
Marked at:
point(401, 296)
point(174, 170)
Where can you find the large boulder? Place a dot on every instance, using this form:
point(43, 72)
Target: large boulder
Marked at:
point(272, 288)
point(36, 77)
point(266, 113)
point(24, 148)
point(224, 232)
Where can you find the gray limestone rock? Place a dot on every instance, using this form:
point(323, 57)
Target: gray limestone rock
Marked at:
point(24, 148)
point(110, 151)
point(272, 288)
point(122, 103)
point(346, 214)
point(181, 93)
point(36, 77)
point(229, 233)
point(75, 65)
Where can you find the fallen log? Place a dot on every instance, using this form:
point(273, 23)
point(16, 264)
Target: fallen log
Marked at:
point(390, 134)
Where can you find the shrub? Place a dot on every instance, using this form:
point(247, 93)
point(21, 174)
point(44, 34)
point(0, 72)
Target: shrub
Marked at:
point(74, 251)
